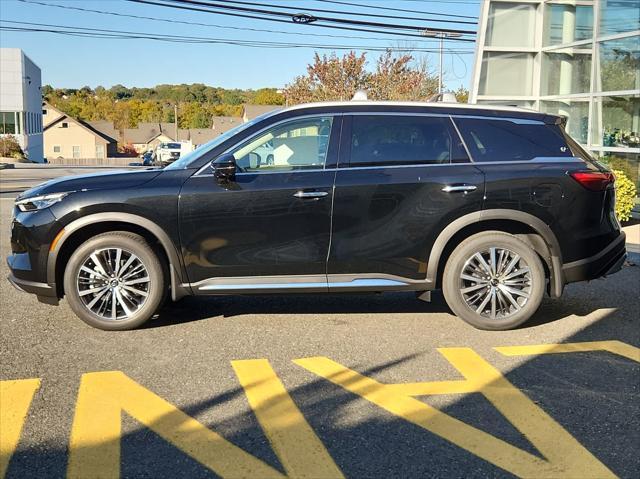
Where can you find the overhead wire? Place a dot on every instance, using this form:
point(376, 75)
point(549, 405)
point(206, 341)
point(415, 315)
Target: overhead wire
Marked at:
point(307, 19)
point(352, 14)
point(184, 22)
point(288, 22)
point(108, 33)
point(395, 9)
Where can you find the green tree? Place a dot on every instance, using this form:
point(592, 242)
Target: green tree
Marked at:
point(268, 96)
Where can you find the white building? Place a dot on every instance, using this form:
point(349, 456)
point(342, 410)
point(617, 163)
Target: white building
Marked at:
point(21, 101)
point(577, 58)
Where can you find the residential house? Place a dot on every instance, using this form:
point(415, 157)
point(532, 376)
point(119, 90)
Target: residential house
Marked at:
point(249, 112)
point(68, 137)
point(222, 124)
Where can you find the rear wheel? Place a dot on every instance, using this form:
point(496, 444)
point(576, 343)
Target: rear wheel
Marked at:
point(494, 281)
point(114, 281)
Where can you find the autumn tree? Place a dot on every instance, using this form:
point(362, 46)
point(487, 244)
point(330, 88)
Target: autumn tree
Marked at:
point(329, 78)
point(462, 95)
point(268, 96)
point(396, 77)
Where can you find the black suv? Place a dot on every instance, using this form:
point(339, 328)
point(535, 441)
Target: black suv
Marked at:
point(492, 205)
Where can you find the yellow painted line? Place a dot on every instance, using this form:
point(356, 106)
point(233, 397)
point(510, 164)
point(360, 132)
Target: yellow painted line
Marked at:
point(15, 399)
point(94, 448)
point(299, 449)
point(614, 347)
point(566, 456)
point(485, 380)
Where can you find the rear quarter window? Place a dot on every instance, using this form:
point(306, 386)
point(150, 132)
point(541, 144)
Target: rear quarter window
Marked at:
point(506, 140)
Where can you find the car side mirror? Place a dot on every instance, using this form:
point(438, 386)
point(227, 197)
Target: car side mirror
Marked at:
point(224, 168)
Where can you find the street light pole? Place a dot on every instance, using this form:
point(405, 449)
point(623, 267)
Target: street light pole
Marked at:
point(441, 36)
point(441, 54)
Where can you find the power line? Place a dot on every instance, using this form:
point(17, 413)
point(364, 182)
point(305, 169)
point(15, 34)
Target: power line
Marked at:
point(182, 22)
point(288, 22)
point(353, 14)
point(118, 34)
point(307, 19)
point(376, 7)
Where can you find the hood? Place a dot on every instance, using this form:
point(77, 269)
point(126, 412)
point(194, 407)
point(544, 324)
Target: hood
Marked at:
point(93, 181)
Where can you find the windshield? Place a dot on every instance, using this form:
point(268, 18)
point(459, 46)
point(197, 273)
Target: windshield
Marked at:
point(170, 146)
point(184, 161)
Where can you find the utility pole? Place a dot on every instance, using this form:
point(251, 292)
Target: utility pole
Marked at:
point(441, 36)
point(175, 118)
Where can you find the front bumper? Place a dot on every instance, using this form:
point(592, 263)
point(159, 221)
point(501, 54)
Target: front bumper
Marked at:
point(606, 262)
point(45, 292)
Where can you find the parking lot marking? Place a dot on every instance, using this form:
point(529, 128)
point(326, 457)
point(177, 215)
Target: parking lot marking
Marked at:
point(564, 455)
point(15, 399)
point(94, 449)
point(299, 449)
point(615, 347)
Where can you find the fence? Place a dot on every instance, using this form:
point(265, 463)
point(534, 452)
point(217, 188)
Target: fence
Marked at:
point(93, 161)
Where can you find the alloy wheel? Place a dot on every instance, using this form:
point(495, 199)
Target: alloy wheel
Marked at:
point(495, 283)
point(113, 283)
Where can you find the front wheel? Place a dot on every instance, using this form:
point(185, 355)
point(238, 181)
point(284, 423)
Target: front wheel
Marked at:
point(114, 281)
point(494, 281)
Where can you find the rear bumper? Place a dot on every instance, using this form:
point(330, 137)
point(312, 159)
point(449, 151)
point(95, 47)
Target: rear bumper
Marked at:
point(608, 261)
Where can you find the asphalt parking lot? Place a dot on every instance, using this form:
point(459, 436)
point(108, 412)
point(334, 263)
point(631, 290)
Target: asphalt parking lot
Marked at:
point(322, 386)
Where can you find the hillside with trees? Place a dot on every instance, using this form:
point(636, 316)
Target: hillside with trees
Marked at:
point(329, 77)
point(126, 107)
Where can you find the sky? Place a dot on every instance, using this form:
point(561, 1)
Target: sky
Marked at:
point(72, 62)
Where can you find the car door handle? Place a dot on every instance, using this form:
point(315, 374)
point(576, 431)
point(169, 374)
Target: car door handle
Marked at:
point(454, 188)
point(310, 194)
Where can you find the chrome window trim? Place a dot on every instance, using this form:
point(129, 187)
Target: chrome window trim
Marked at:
point(268, 127)
point(537, 160)
point(377, 113)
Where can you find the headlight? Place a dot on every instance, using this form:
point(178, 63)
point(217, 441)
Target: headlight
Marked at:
point(40, 202)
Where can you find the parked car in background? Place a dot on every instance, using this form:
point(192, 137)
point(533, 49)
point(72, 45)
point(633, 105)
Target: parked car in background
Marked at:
point(167, 153)
point(147, 158)
point(493, 205)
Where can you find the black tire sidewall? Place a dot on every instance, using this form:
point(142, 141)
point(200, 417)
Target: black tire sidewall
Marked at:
point(133, 243)
point(477, 243)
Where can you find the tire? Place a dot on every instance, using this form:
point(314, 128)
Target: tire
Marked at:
point(138, 289)
point(488, 302)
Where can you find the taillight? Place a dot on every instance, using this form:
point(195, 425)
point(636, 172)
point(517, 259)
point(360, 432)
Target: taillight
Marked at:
point(594, 180)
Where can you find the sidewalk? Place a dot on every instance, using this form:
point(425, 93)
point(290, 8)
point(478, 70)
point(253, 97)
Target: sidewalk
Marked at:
point(633, 238)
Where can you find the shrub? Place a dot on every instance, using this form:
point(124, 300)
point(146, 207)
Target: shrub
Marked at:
point(10, 148)
point(128, 150)
point(625, 195)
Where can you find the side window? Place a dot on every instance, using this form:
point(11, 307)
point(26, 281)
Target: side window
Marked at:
point(296, 145)
point(379, 140)
point(504, 140)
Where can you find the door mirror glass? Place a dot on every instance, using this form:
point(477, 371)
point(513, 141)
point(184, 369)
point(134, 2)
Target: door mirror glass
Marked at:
point(224, 168)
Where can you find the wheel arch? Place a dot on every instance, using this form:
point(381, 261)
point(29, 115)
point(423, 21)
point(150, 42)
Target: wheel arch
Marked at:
point(79, 230)
point(527, 227)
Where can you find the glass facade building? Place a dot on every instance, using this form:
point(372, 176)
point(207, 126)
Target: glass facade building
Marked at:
point(578, 58)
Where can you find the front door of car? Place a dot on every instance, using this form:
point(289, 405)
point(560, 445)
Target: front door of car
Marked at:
point(271, 222)
point(401, 180)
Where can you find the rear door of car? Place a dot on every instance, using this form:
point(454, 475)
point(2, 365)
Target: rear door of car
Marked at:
point(401, 179)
